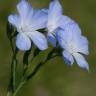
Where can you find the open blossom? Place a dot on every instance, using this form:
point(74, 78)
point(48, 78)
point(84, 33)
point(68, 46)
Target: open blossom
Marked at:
point(73, 43)
point(27, 22)
point(54, 19)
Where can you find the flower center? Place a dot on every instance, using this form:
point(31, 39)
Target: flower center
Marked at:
point(51, 28)
point(71, 48)
point(24, 28)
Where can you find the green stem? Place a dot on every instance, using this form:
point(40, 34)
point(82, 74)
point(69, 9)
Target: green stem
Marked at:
point(30, 76)
point(14, 75)
point(13, 68)
point(39, 66)
point(12, 84)
point(19, 87)
point(33, 73)
point(26, 61)
point(8, 93)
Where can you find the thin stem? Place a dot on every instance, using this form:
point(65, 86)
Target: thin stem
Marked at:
point(12, 84)
point(14, 74)
point(23, 81)
point(26, 61)
point(39, 66)
point(19, 87)
point(11, 44)
point(31, 76)
point(35, 71)
point(49, 57)
point(8, 93)
point(14, 63)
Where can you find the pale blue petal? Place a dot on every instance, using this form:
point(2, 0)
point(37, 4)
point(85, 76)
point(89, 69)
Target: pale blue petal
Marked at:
point(73, 29)
point(68, 57)
point(54, 14)
point(64, 21)
point(52, 39)
point(81, 61)
point(85, 49)
point(69, 34)
point(14, 20)
point(38, 39)
point(55, 9)
point(39, 20)
point(24, 8)
point(81, 45)
point(23, 42)
point(62, 38)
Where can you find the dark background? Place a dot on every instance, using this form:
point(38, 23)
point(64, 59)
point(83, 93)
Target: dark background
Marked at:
point(55, 78)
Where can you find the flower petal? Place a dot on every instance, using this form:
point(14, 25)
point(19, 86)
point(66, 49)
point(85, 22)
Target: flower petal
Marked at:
point(70, 35)
point(39, 20)
point(23, 42)
point(52, 39)
point(62, 38)
point(14, 20)
point(81, 45)
point(38, 39)
point(64, 21)
point(54, 15)
point(73, 29)
point(81, 61)
point(24, 9)
point(55, 8)
point(68, 57)
point(70, 32)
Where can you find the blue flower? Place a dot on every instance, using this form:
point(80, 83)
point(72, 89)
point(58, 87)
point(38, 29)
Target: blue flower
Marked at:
point(54, 19)
point(27, 23)
point(73, 43)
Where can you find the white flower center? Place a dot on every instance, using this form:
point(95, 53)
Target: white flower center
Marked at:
point(71, 48)
point(51, 28)
point(24, 28)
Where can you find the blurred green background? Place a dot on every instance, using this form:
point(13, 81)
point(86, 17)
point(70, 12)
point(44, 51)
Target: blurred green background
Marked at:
point(55, 78)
